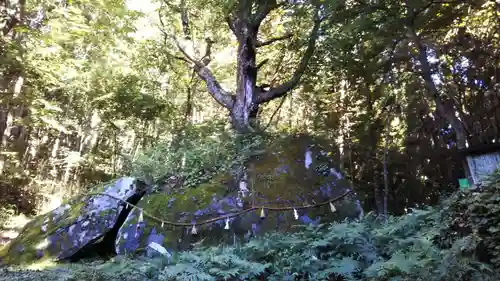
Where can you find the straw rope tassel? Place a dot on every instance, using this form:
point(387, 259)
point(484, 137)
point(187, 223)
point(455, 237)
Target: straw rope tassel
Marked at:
point(143, 213)
point(332, 207)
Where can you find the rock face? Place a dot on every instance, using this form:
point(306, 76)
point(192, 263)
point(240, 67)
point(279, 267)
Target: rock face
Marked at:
point(294, 171)
point(63, 232)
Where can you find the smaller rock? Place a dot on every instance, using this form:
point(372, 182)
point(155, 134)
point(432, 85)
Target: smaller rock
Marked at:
point(62, 232)
point(157, 248)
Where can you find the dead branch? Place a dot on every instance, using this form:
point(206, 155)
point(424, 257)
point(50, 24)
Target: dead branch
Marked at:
point(284, 88)
point(274, 39)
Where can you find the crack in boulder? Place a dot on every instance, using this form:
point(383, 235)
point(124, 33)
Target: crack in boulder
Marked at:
point(80, 228)
point(104, 245)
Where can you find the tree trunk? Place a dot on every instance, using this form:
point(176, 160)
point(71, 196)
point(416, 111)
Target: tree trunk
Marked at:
point(444, 108)
point(4, 114)
point(246, 76)
point(386, 172)
point(378, 197)
point(244, 20)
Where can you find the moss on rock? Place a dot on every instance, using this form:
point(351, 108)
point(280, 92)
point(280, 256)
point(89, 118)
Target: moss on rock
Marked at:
point(62, 232)
point(291, 171)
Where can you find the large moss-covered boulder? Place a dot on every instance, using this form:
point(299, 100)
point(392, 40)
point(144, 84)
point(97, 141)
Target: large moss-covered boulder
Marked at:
point(63, 232)
point(292, 171)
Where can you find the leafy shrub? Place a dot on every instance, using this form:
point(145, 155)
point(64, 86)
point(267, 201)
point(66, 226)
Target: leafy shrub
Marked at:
point(401, 249)
point(6, 212)
point(213, 264)
point(475, 214)
point(202, 151)
point(435, 244)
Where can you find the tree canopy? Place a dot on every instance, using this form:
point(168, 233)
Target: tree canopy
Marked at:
point(396, 86)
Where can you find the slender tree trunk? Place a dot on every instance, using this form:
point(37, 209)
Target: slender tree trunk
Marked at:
point(14, 74)
point(188, 114)
point(444, 108)
point(4, 115)
point(378, 196)
point(191, 88)
point(386, 172)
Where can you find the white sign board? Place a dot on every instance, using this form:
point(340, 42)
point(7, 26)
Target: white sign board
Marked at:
point(483, 165)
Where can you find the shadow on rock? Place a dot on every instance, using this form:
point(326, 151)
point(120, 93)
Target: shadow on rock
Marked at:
point(79, 228)
point(292, 171)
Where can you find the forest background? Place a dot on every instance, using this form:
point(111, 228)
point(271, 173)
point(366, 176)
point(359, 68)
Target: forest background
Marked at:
point(397, 87)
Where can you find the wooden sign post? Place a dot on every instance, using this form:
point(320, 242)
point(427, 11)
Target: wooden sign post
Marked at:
point(480, 162)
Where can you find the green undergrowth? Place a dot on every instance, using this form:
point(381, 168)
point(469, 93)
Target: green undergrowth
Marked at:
point(475, 214)
point(6, 212)
point(457, 240)
point(202, 152)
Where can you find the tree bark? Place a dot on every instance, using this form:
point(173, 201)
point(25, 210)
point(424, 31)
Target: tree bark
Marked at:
point(244, 21)
point(386, 171)
point(443, 107)
point(246, 78)
point(12, 82)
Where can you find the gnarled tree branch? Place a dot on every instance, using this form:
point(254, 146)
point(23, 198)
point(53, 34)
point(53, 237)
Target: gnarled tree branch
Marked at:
point(222, 96)
point(273, 39)
point(284, 88)
point(264, 8)
point(261, 64)
point(443, 107)
point(207, 57)
point(230, 23)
